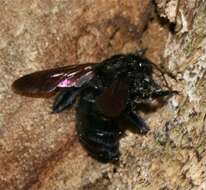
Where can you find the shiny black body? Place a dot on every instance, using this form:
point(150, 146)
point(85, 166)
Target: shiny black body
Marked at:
point(112, 91)
point(98, 129)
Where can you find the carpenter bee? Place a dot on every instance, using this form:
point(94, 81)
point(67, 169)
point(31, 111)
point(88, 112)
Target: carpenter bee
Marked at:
point(104, 93)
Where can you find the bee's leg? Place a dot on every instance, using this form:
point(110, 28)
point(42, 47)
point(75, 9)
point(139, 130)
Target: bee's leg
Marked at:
point(162, 93)
point(138, 122)
point(65, 99)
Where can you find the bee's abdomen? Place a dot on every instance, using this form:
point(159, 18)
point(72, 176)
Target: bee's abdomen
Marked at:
point(97, 133)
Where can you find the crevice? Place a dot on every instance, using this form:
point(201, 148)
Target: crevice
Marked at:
point(163, 21)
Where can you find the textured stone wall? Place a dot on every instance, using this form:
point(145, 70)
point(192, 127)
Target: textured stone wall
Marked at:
point(40, 151)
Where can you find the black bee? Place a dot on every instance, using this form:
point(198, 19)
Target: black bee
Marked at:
point(107, 92)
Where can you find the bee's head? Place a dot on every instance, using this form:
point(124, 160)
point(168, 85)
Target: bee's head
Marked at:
point(140, 64)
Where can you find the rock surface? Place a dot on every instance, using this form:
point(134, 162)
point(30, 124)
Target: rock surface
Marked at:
point(40, 151)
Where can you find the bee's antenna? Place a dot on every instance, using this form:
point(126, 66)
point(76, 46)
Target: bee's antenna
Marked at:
point(163, 74)
point(141, 52)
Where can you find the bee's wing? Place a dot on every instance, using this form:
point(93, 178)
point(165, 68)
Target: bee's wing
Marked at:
point(114, 98)
point(45, 83)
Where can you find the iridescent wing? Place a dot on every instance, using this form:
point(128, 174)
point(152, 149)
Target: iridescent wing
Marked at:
point(45, 83)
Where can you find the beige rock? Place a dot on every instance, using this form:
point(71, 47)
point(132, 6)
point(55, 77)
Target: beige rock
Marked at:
point(40, 151)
